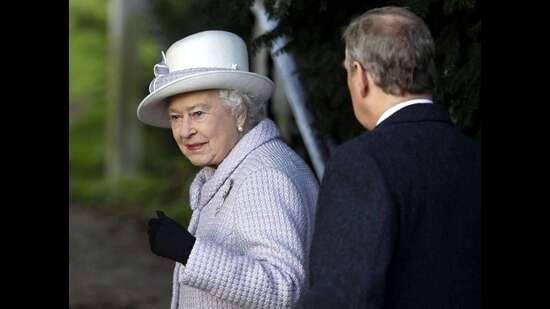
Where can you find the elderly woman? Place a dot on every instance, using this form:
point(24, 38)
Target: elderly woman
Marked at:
point(253, 202)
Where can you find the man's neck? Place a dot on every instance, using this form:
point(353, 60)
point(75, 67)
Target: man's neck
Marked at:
point(391, 100)
point(385, 102)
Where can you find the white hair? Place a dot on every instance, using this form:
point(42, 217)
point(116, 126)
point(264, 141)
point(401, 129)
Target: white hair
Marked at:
point(240, 102)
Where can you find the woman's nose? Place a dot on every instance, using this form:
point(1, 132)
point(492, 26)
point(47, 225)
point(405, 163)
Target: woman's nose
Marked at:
point(187, 129)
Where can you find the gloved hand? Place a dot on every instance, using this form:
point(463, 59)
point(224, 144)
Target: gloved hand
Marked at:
point(169, 239)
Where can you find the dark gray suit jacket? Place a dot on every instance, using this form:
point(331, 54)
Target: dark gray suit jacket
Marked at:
point(398, 219)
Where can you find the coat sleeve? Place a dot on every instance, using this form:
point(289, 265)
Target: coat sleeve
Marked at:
point(271, 220)
point(354, 236)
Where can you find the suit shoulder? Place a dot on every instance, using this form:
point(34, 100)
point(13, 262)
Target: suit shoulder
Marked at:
point(355, 156)
point(358, 147)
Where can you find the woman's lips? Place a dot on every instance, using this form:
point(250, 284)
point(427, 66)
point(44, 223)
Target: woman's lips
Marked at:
point(194, 147)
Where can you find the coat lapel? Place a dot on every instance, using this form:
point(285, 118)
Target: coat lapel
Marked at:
point(209, 181)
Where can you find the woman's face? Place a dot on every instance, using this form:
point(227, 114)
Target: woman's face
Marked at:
point(203, 128)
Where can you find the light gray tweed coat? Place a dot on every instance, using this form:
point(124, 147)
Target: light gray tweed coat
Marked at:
point(253, 219)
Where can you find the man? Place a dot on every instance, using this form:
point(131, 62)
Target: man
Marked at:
point(398, 221)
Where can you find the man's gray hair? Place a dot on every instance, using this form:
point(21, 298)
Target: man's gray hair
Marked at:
point(239, 102)
point(395, 46)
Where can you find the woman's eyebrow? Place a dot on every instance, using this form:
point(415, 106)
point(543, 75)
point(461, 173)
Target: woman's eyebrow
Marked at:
point(203, 105)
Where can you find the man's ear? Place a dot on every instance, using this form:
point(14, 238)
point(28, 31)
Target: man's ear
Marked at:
point(361, 78)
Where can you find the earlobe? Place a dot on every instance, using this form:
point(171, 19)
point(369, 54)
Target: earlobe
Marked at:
point(240, 121)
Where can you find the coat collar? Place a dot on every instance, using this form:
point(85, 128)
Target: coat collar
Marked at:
point(209, 180)
point(417, 113)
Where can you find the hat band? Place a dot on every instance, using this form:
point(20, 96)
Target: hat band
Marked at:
point(163, 79)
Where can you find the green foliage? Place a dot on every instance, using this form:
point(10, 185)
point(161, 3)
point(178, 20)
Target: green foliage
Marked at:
point(87, 44)
point(87, 78)
point(314, 28)
point(164, 178)
point(177, 19)
point(87, 144)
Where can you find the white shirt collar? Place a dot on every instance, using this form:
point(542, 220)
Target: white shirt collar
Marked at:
point(390, 111)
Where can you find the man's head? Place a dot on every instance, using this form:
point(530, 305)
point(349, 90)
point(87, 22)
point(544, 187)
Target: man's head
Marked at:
point(389, 58)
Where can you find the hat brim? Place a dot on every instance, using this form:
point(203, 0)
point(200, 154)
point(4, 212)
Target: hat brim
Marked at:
point(152, 109)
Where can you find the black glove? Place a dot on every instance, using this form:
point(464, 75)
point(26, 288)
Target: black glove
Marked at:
point(169, 239)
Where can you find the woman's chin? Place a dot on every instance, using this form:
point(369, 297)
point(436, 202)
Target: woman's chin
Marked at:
point(202, 162)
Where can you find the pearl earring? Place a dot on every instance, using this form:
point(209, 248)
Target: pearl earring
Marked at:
point(240, 128)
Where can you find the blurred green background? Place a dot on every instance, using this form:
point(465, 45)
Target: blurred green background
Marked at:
point(159, 175)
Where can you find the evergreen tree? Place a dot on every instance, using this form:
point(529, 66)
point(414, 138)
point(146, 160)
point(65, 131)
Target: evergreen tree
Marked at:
point(314, 28)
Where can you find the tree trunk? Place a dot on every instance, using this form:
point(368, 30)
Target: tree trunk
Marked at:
point(124, 136)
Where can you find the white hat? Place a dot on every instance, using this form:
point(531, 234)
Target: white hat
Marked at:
point(204, 60)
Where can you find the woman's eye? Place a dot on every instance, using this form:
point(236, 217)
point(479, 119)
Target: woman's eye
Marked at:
point(198, 114)
point(174, 117)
